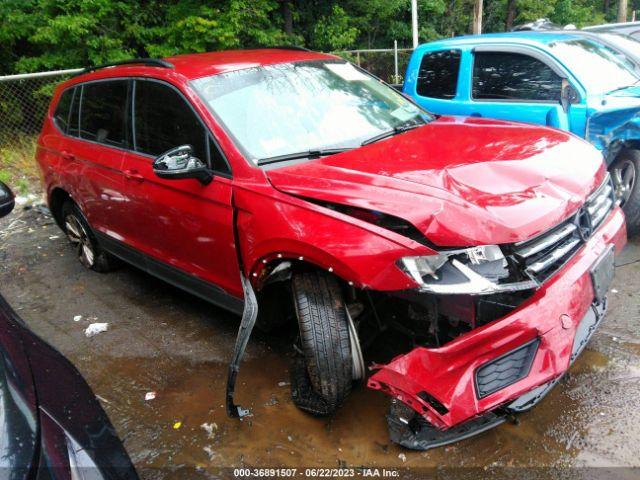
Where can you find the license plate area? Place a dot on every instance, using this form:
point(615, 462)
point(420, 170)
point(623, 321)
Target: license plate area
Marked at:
point(602, 273)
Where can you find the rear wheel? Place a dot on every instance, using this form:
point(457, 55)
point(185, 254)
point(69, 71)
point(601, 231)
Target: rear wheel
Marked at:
point(321, 377)
point(624, 173)
point(82, 239)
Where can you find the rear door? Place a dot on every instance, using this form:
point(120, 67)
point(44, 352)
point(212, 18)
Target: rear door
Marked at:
point(94, 151)
point(182, 226)
point(513, 85)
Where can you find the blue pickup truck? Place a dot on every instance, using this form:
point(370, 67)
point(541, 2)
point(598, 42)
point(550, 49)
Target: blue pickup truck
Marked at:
point(561, 79)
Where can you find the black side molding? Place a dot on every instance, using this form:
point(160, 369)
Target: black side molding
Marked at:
point(170, 274)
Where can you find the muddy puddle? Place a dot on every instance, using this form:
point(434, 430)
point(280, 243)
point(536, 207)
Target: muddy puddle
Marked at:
point(164, 343)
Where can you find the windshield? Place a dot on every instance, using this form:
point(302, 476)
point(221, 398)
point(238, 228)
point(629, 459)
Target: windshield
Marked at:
point(296, 107)
point(598, 67)
point(624, 42)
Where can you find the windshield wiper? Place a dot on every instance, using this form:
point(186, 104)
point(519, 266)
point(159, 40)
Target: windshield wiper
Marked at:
point(392, 132)
point(624, 87)
point(306, 154)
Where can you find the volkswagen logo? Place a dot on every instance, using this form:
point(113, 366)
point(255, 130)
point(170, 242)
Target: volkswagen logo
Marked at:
point(583, 222)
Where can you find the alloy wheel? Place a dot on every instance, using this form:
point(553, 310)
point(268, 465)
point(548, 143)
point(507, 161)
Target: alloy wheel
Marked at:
point(624, 179)
point(80, 239)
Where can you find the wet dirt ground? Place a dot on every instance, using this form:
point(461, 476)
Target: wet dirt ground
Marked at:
point(165, 341)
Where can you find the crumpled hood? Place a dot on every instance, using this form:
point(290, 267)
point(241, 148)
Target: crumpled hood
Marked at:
point(461, 181)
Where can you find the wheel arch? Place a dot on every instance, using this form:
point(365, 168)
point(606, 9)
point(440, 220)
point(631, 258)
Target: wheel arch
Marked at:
point(57, 197)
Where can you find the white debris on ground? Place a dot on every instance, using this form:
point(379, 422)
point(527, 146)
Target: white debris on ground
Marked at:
point(26, 199)
point(77, 318)
point(209, 451)
point(96, 328)
point(210, 428)
point(150, 396)
point(283, 384)
point(402, 457)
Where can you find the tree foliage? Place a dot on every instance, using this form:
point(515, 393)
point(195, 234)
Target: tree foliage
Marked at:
point(50, 34)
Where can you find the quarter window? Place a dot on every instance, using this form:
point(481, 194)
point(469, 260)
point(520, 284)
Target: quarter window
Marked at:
point(63, 109)
point(513, 76)
point(438, 74)
point(104, 112)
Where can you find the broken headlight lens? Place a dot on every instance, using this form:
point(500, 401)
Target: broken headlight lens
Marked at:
point(471, 271)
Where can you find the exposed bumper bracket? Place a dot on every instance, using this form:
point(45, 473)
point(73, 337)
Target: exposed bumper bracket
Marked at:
point(249, 315)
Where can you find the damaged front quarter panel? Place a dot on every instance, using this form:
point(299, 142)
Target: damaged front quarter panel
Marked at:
point(610, 130)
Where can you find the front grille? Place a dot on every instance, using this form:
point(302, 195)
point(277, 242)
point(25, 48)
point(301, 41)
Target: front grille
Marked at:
point(505, 370)
point(545, 254)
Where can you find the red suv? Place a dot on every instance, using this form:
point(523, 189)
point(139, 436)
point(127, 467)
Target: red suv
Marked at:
point(282, 183)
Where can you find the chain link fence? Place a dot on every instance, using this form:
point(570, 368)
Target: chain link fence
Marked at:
point(24, 100)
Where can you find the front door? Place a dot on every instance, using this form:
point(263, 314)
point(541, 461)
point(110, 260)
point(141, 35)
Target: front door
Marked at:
point(515, 86)
point(183, 226)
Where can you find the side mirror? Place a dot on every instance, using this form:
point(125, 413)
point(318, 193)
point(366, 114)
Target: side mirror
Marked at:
point(568, 95)
point(7, 200)
point(179, 163)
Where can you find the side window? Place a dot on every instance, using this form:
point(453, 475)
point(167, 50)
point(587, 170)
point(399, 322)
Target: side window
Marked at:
point(513, 76)
point(103, 117)
point(163, 120)
point(438, 74)
point(63, 109)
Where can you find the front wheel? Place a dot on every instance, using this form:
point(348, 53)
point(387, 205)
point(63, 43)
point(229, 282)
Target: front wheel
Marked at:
point(624, 173)
point(322, 377)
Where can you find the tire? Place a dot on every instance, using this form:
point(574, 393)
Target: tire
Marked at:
point(321, 378)
point(81, 236)
point(624, 172)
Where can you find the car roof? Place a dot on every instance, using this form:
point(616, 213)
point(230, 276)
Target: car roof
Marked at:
point(612, 26)
point(525, 38)
point(197, 65)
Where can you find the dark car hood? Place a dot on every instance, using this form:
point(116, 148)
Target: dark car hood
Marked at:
point(41, 387)
point(461, 181)
point(18, 408)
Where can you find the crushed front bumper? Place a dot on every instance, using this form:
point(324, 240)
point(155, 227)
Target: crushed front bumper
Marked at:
point(472, 382)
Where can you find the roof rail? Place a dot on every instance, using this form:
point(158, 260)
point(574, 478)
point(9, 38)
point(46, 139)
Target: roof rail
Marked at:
point(287, 47)
point(151, 62)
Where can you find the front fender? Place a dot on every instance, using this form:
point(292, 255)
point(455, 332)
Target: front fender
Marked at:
point(610, 130)
point(270, 228)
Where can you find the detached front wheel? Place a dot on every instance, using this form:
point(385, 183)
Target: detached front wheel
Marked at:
point(322, 376)
point(624, 173)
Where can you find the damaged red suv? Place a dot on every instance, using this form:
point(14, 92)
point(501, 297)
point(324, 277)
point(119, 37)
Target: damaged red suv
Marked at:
point(282, 183)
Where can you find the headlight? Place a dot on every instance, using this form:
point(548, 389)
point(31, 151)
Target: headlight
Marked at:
point(471, 271)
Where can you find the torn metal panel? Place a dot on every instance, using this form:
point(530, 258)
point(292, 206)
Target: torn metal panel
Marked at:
point(609, 130)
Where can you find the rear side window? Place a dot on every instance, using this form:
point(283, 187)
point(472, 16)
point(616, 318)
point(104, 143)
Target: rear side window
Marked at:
point(63, 109)
point(438, 74)
point(513, 76)
point(164, 120)
point(104, 112)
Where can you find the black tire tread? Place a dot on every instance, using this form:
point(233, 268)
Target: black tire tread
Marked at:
point(324, 335)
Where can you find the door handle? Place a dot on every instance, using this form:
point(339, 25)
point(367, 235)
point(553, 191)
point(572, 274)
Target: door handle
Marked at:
point(476, 114)
point(133, 175)
point(67, 155)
